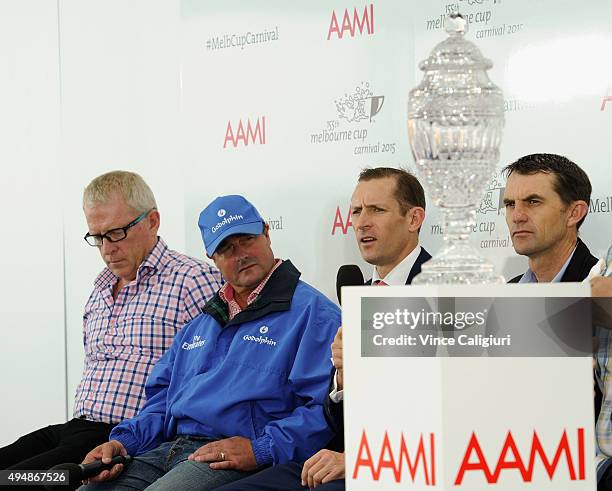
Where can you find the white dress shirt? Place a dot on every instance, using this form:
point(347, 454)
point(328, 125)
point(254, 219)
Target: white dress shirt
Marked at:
point(397, 276)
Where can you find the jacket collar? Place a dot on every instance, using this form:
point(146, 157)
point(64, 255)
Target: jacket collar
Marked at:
point(423, 257)
point(580, 265)
point(275, 297)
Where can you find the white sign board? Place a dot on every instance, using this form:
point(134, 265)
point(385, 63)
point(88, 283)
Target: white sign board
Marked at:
point(503, 402)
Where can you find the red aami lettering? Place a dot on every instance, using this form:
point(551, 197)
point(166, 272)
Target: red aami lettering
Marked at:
point(254, 133)
point(514, 461)
point(339, 223)
point(348, 24)
point(386, 460)
point(466, 465)
point(367, 461)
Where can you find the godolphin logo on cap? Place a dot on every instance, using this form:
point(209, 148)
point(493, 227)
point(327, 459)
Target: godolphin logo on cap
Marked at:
point(226, 216)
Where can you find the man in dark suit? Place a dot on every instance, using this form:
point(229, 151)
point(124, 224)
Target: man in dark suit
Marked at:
point(387, 211)
point(547, 198)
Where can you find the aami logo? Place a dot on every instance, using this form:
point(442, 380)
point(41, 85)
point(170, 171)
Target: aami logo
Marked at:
point(352, 23)
point(254, 133)
point(340, 223)
point(420, 461)
point(394, 461)
point(510, 459)
point(607, 98)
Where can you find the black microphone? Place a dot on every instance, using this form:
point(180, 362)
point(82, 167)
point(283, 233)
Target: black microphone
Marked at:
point(348, 275)
point(79, 472)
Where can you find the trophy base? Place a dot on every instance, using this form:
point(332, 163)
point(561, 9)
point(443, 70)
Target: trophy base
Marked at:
point(458, 265)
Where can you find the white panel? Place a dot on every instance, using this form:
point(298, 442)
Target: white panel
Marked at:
point(120, 99)
point(293, 80)
point(32, 292)
point(455, 397)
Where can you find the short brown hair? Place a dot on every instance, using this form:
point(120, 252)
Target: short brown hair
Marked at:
point(571, 183)
point(408, 189)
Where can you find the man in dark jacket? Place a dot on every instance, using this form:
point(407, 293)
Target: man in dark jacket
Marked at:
point(547, 199)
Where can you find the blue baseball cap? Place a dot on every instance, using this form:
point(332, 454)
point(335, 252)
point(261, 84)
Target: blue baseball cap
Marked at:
point(225, 216)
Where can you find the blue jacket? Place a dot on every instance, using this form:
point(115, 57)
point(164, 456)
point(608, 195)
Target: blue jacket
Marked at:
point(263, 375)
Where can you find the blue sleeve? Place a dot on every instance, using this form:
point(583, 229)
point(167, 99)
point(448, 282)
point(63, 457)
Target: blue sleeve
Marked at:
point(145, 431)
point(305, 431)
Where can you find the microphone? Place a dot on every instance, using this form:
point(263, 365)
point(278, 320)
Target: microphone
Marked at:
point(348, 275)
point(79, 472)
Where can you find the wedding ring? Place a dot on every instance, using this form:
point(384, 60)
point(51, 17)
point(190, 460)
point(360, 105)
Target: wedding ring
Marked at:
point(222, 456)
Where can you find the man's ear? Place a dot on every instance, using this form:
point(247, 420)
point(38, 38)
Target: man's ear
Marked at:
point(266, 232)
point(154, 220)
point(578, 210)
point(417, 217)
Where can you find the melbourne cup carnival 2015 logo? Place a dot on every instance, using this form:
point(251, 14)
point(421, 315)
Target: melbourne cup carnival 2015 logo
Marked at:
point(361, 105)
point(493, 200)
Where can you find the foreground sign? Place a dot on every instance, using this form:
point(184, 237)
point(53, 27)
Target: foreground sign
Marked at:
point(474, 388)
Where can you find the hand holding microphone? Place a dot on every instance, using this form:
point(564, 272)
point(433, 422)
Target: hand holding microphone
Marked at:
point(83, 472)
point(105, 462)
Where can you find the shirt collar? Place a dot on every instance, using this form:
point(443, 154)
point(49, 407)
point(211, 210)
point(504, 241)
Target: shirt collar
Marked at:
point(153, 262)
point(226, 293)
point(530, 277)
point(399, 274)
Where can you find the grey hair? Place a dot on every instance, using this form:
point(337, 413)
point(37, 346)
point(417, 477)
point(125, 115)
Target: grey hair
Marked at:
point(129, 185)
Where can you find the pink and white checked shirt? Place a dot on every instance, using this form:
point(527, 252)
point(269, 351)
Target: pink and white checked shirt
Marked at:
point(124, 338)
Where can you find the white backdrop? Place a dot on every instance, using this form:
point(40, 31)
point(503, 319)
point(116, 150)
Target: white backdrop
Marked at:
point(156, 86)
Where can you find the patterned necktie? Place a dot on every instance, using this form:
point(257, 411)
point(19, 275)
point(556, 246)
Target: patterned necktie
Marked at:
point(380, 283)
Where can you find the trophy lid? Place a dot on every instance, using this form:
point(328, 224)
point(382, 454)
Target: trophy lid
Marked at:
point(455, 52)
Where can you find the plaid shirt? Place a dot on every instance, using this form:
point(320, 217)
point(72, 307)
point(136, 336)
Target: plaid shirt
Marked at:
point(124, 337)
point(603, 375)
point(227, 293)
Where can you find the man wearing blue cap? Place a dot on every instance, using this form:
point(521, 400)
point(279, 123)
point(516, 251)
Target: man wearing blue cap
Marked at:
point(238, 390)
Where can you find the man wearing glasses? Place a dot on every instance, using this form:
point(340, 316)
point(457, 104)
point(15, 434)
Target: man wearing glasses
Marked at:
point(145, 294)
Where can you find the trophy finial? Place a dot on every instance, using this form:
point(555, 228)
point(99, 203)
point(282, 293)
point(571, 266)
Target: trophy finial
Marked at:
point(456, 24)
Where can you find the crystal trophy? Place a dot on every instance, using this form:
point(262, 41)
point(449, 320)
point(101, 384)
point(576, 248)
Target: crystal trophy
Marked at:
point(455, 123)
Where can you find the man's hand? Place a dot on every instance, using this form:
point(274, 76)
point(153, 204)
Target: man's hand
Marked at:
point(601, 291)
point(601, 286)
point(336, 349)
point(105, 453)
point(322, 467)
point(230, 453)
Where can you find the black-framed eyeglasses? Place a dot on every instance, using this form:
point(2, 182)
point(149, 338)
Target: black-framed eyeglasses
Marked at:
point(114, 235)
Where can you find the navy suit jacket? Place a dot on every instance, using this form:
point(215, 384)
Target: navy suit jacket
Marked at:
point(334, 411)
point(578, 268)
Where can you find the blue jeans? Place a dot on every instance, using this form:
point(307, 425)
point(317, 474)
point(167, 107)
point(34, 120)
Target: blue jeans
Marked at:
point(284, 476)
point(167, 468)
